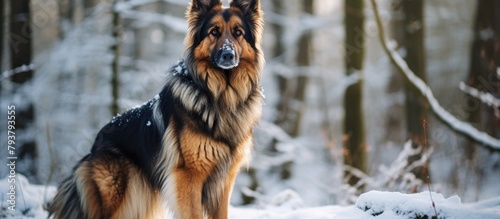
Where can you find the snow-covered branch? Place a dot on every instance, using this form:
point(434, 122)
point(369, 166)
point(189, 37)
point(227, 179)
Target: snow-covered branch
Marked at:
point(448, 118)
point(484, 97)
point(20, 69)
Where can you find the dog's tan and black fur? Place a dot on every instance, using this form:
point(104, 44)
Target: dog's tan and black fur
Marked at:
point(181, 151)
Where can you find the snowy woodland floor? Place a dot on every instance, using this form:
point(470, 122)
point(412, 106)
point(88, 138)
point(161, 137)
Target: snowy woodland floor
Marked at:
point(31, 199)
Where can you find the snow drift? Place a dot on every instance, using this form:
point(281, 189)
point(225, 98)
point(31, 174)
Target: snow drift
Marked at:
point(31, 201)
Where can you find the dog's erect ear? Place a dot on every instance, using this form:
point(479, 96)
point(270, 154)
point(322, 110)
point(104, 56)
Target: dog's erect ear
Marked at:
point(202, 6)
point(248, 7)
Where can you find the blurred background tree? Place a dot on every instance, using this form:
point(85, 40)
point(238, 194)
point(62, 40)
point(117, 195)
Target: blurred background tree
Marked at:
point(354, 127)
point(20, 37)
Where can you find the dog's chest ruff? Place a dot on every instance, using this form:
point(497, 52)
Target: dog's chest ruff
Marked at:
point(231, 125)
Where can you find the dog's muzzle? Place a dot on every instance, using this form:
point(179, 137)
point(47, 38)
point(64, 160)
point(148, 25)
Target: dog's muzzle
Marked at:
point(226, 57)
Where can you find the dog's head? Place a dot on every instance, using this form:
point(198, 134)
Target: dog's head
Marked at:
point(223, 37)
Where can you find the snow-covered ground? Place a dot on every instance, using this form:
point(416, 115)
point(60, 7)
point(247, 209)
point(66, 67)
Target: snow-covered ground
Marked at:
point(30, 200)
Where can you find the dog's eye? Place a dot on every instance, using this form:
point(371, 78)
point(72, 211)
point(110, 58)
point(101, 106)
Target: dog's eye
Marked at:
point(215, 32)
point(238, 33)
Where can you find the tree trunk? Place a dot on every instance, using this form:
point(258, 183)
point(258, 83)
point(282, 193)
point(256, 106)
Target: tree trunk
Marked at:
point(303, 60)
point(394, 124)
point(415, 57)
point(65, 9)
point(482, 75)
point(416, 108)
point(293, 90)
point(354, 133)
point(20, 52)
point(2, 23)
point(484, 61)
point(115, 48)
point(88, 5)
point(277, 53)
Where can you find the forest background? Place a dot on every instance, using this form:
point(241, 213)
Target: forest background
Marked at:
point(340, 118)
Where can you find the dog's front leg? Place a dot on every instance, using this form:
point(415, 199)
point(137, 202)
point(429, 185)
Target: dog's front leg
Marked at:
point(223, 210)
point(189, 185)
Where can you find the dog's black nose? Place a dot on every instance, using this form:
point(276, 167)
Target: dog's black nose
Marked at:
point(226, 59)
point(227, 55)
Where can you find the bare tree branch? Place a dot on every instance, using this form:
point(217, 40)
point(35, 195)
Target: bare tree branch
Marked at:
point(456, 124)
point(484, 97)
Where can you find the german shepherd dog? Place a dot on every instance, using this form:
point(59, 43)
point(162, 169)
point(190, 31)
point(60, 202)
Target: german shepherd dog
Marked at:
point(180, 152)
